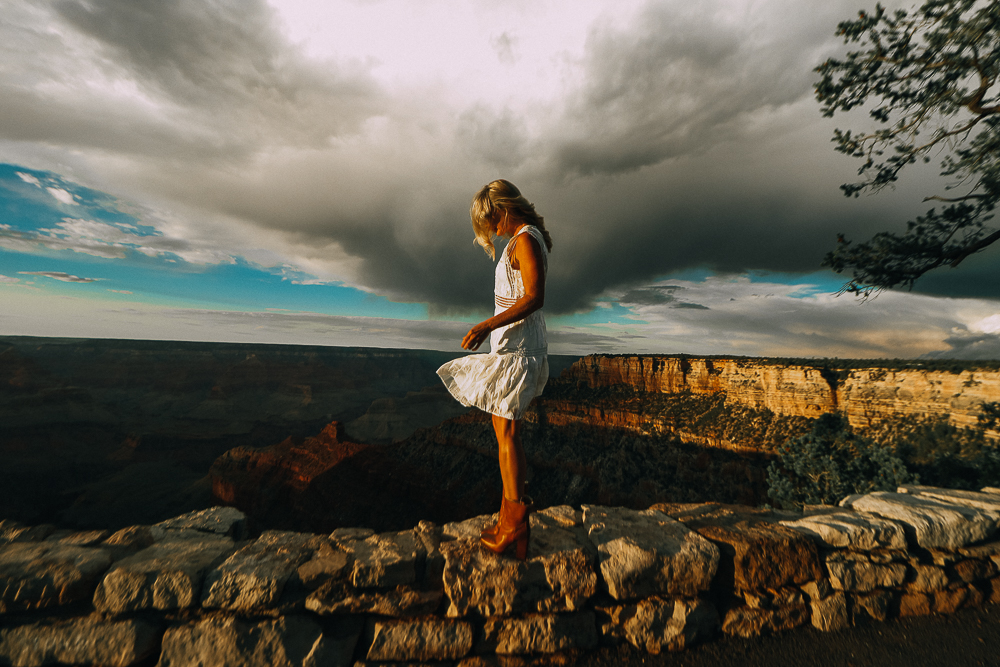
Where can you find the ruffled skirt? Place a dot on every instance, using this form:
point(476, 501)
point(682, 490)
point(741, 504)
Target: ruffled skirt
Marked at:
point(499, 383)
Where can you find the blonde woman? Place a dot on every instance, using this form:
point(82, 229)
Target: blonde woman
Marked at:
point(504, 381)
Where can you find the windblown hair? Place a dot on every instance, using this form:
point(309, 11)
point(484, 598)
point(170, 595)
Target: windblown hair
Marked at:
point(491, 202)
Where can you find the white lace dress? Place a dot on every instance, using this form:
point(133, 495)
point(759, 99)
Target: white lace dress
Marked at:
point(504, 381)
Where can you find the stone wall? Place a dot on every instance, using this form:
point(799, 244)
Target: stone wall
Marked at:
point(866, 396)
point(195, 590)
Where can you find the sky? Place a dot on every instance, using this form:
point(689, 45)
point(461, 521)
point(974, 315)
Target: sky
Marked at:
point(300, 171)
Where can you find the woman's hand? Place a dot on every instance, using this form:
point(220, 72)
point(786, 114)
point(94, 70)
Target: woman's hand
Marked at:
point(476, 336)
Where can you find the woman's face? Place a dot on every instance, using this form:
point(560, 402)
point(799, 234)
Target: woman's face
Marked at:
point(500, 223)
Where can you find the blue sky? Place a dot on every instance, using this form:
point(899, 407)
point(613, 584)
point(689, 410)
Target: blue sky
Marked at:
point(296, 171)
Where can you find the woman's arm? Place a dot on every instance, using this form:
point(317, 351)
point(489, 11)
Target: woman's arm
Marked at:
point(528, 260)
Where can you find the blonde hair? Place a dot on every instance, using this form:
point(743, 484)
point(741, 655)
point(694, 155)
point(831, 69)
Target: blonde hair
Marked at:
point(495, 197)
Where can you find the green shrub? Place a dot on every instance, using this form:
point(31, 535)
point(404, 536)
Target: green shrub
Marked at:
point(830, 462)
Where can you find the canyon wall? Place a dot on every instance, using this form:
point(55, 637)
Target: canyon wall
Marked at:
point(865, 395)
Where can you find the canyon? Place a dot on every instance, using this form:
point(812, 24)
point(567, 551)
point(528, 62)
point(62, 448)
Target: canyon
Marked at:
point(313, 438)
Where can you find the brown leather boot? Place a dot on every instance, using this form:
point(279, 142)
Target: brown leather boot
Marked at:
point(492, 530)
point(512, 530)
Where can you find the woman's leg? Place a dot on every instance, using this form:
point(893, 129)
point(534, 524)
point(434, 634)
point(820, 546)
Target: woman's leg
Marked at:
point(513, 463)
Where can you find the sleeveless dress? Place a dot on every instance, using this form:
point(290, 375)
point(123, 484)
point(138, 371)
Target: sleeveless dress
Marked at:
point(504, 381)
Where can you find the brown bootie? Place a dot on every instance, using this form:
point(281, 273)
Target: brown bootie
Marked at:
point(512, 529)
point(492, 530)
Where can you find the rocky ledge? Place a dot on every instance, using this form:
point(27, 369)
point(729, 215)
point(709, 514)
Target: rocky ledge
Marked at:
point(195, 590)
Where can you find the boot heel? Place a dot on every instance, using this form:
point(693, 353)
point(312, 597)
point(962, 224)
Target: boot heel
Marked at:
point(521, 548)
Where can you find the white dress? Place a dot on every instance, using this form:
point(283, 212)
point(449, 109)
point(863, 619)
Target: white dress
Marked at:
point(504, 381)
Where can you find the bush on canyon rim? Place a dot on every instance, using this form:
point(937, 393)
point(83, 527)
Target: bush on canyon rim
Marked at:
point(831, 462)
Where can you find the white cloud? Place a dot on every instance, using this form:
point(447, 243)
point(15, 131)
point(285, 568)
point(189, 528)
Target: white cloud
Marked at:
point(28, 178)
point(61, 196)
point(9, 280)
point(101, 239)
point(59, 275)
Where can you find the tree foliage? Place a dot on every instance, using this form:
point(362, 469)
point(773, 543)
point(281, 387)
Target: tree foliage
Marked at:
point(831, 462)
point(928, 77)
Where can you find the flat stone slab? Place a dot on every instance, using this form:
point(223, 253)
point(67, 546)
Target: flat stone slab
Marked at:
point(980, 501)
point(254, 577)
point(386, 560)
point(758, 553)
point(88, 640)
point(420, 639)
point(857, 531)
point(645, 553)
point(338, 597)
point(539, 633)
point(225, 640)
point(559, 574)
point(34, 575)
point(225, 521)
point(167, 575)
point(929, 523)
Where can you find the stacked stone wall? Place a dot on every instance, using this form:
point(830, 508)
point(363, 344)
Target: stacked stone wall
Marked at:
point(196, 590)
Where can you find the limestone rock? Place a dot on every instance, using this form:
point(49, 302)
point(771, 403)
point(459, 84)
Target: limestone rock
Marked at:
point(420, 639)
point(973, 570)
point(862, 576)
point(851, 530)
point(225, 521)
point(925, 578)
point(563, 515)
point(349, 534)
point(12, 531)
point(982, 501)
point(657, 624)
point(254, 577)
point(430, 535)
point(877, 604)
point(830, 613)
point(559, 574)
point(992, 590)
point(758, 553)
point(79, 641)
point(386, 560)
point(468, 529)
point(84, 538)
point(225, 640)
point(931, 523)
point(644, 553)
point(745, 621)
point(915, 604)
point(340, 598)
point(326, 564)
point(949, 600)
point(817, 590)
point(539, 633)
point(47, 574)
point(167, 575)
point(133, 538)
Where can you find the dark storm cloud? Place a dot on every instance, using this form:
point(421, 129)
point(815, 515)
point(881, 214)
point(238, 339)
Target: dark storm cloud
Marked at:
point(225, 81)
point(646, 297)
point(689, 140)
point(682, 77)
point(971, 345)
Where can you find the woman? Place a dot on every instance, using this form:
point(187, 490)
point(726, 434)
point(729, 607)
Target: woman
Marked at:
point(504, 381)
